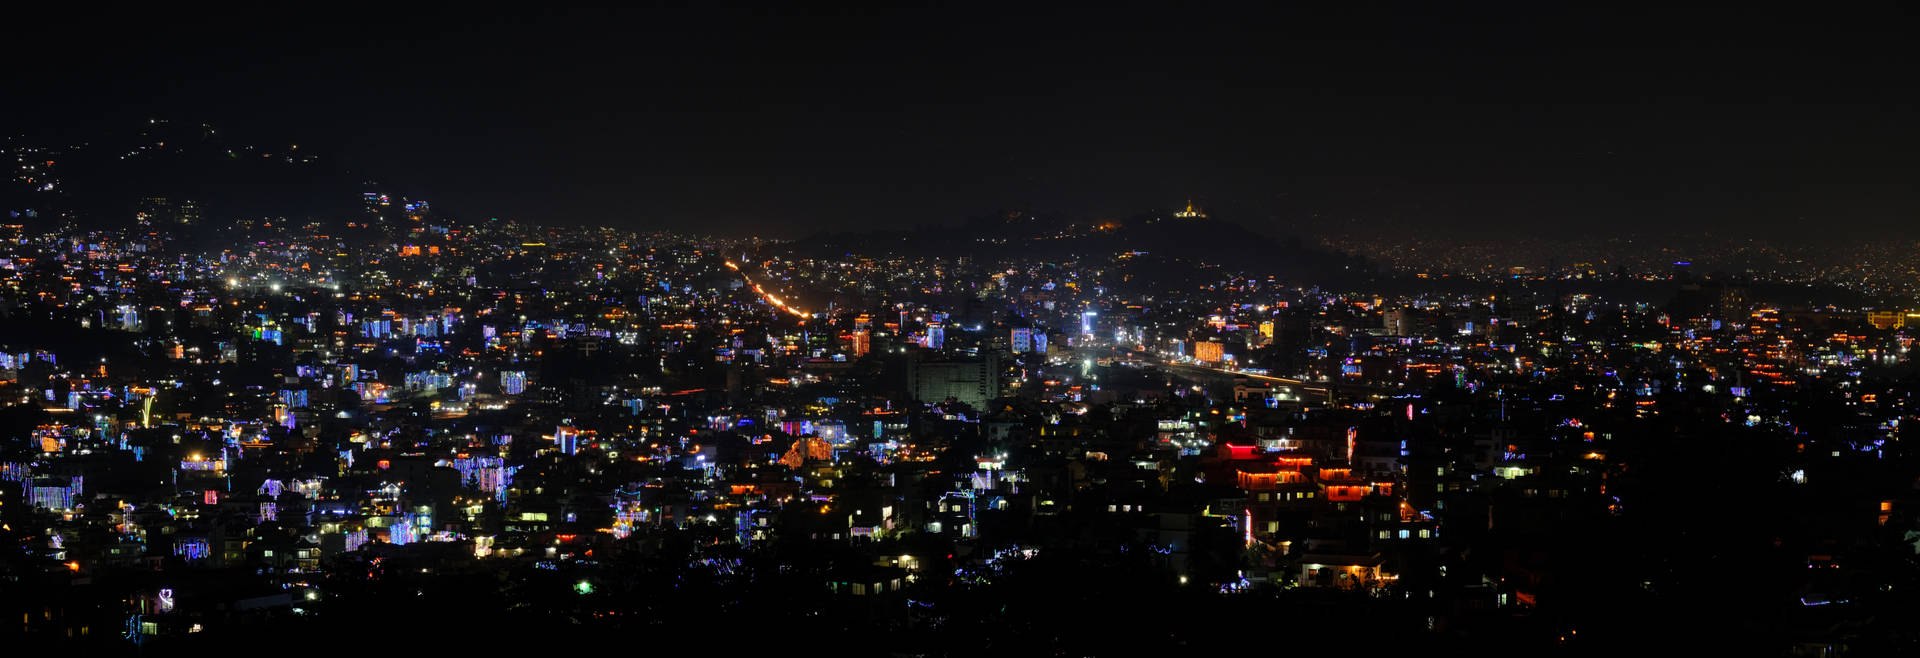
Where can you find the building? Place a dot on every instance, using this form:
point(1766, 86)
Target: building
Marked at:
point(974, 382)
point(513, 382)
point(53, 495)
point(1191, 212)
point(1884, 320)
point(1406, 322)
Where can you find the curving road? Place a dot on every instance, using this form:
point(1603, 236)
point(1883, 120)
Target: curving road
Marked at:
point(771, 299)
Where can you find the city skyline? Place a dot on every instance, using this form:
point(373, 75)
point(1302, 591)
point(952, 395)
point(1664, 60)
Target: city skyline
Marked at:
point(959, 330)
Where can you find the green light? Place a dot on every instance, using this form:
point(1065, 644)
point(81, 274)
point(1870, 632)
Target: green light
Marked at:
point(583, 587)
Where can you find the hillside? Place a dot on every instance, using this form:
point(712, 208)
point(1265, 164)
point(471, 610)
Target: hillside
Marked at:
point(1210, 241)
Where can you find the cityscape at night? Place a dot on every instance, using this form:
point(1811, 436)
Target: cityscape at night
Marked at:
point(1097, 331)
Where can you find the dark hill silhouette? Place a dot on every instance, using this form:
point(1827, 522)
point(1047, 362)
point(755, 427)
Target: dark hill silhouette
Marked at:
point(1222, 243)
point(101, 181)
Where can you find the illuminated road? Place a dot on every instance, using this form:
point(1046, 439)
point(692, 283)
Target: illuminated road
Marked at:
point(1296, 383)
point(770, 298)
point(1318, 388)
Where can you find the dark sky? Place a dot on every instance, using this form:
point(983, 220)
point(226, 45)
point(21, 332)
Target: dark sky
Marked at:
point(787, 121)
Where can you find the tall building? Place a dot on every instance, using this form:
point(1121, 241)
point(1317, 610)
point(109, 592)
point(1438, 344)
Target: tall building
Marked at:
point(1406, 322)
point(130, 318)
point(1208, 352)
point(974, 382)
point(513, 382)
point(1734, 302)
point(1021, 340)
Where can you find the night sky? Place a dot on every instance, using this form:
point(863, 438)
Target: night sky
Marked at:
point(784, 122)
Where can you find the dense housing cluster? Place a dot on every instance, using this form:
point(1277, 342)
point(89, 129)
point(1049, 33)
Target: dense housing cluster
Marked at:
point(302, 422)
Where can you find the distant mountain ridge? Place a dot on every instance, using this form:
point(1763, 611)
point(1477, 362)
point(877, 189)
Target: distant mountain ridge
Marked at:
point(1018, 235)
point(102, 182)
